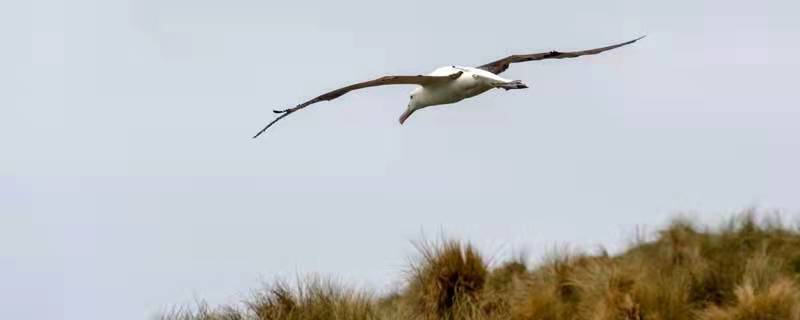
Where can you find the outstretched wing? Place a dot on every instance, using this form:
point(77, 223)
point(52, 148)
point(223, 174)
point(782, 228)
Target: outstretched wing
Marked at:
point(383, 81)
point(501, 65)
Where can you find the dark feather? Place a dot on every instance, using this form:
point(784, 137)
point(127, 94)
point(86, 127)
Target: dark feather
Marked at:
point(388, 80)
point(501, 65)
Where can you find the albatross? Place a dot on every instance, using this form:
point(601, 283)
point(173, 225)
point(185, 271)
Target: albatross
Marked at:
point(448, 84)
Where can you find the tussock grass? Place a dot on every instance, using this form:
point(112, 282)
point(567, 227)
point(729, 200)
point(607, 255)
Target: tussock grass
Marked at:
point(202, 312)
point(446, 281)
point(778, 300)
point(746, 269)
point(312, 299)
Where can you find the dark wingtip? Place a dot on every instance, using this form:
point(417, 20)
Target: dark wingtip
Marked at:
point(284, 113)
point(259, 133)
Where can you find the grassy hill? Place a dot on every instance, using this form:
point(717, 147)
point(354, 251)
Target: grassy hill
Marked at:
point(746, 269)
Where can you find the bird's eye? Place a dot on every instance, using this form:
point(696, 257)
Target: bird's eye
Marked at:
point(411, 97)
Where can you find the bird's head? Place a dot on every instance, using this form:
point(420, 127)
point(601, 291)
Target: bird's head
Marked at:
point(416, 100)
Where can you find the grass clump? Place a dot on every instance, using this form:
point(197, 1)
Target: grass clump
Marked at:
point(203, 312)
point(312, 299)
point(446, 282)
point(778, 301)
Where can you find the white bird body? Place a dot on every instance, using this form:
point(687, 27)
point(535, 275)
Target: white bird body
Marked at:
point(449, 84)
point(472, 82)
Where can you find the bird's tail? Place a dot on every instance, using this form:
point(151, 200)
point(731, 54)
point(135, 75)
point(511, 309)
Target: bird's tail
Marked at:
point(405, 115)
point(516, 84)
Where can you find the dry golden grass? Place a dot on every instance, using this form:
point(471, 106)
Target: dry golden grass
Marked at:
point(747, 269)
point(202, 312)
point(446, 281)
point(312, 299)
point(778, 301)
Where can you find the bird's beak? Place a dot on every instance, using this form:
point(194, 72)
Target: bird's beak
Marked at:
point(406, 114)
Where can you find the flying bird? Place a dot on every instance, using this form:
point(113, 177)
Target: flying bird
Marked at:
point(449, 84)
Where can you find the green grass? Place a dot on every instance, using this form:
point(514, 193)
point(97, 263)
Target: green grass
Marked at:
point(746, 269)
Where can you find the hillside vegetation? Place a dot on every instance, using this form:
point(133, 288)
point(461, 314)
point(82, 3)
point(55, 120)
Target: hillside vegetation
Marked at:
point(746, 269)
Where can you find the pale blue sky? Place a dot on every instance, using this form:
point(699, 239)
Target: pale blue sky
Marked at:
point(129, 182)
